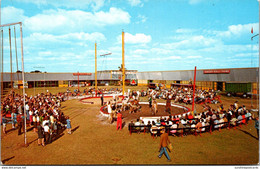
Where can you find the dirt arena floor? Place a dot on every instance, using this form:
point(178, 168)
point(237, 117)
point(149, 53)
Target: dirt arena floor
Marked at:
point(94, 141)
point(146, 112)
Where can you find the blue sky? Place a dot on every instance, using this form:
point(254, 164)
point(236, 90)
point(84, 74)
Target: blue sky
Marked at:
point(160, 35)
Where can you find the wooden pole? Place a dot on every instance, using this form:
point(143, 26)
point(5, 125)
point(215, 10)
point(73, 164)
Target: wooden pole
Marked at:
point(194, 82)
point(123, 62)
point(21, 34)
point(2, 65)
point(78, 81)
point(16, 55)
point(96, 68)
point(11, 65)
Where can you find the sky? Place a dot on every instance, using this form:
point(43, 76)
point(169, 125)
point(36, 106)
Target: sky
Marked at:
point(160, 35)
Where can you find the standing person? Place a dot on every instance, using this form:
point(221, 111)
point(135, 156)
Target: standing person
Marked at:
point(40, 136)
point(150, 102)
point(119, 120)
point(19, 121)
point(68, 125)
point(14, 119)
point(168, 105)
point(163, 144)
point(31, 116)
point(27, 108)
point(102, 99)
point(34, 122)
point(46, 133)
point(257, 126)
point(4, 121)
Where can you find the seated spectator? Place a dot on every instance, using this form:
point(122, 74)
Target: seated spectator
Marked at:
point(181, 128)
point(142, 124)
point(153, 129)
point(130, 125)
point(243, 118)
point(248, 115)
point(221, 122)
point(203, 125)
point(216, 123)
point(183, 121)
point(137, 123)
point(149, 125)
point(158, 123)
point(198, 126)
point(239, 118)
point(190, 116)
point(192, 126)
point(233, 120)
point(173, 127)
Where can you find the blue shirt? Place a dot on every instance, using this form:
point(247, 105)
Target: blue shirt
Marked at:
point(4, 120)
point(68, 124)
point(257, 124)
point(216, 122)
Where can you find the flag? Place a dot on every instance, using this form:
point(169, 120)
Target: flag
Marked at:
point(252, 30)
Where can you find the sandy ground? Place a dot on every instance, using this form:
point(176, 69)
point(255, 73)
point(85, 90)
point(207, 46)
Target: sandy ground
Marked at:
point(96, 142)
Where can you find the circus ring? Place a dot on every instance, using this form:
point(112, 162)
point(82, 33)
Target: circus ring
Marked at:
point(145, 114)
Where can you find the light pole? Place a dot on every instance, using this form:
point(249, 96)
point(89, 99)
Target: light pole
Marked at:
point(123, 61)
point(257, 94)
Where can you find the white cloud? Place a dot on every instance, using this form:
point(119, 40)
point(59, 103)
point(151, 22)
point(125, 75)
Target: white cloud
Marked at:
point(138, 38)
point(193, 42)
point(174, 57)
point(195, 1)
point(239, 30)
point(80, 4)
point(140, 51)
point(72, 39)
point(161, 51)
point(183, 30)
point(75, 20)
point(141, 19)
point(135, 2)
point(12, 14)
point(194, 57)
point(247, 54)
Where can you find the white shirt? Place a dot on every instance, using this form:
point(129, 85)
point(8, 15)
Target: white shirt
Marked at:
point(44, 122)
point(137, 123)
point(52, 119)
point(27, 107)
point(46, 128)
point(30, 113)
point(109, 109)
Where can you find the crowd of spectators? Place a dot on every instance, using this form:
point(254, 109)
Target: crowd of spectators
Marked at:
point(208, 120)
point(42, 112)
point(182, 95)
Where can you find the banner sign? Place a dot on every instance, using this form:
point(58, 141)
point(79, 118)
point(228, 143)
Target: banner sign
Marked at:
point(82, 74)
point(222, 71)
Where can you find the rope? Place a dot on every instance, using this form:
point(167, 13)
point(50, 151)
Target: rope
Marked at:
point(10, 42)
point(16, 54)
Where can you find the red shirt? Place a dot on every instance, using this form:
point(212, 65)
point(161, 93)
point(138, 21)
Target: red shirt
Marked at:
point(190, 117)
point(119, 116)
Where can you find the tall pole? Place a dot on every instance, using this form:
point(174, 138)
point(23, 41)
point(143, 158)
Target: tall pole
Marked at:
point(2, 66)
point(194, 82)
point(11, 58)
point(24, 111)
point(78, 81)
point(96, 68)
point(16, 54)
point(123, 62)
